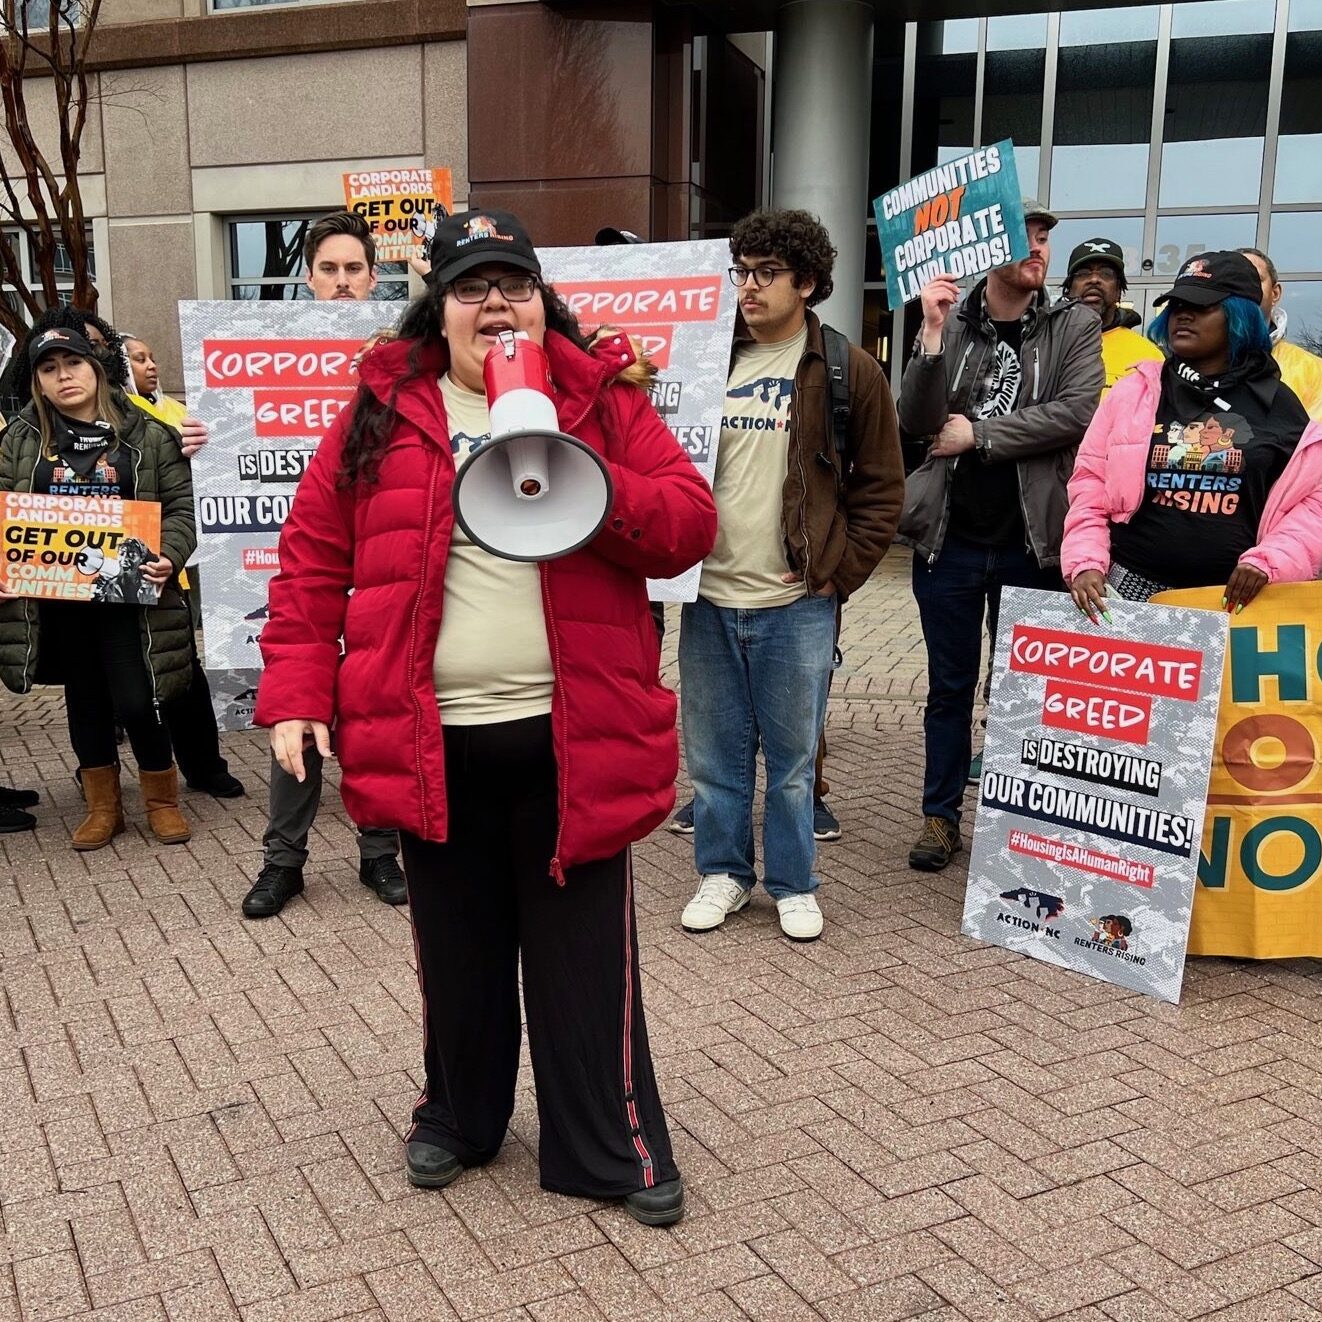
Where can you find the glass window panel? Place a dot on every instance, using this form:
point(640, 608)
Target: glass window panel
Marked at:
point(1127, 231)
point(267, 248)
point(1296, 242)
point(943, 101)
point(1302, 301)
point(958, 36)
point(1299, 151)
point(274, 292)
point(1305, 15)
point(1103, 126)
point(1101, 27)
point(1216, 116)
point(877, 322)
point(1223, 18)
point(1017, 32)
point(1182, 237)
point(1012, 107)
point(39, 11)
point(218, 6)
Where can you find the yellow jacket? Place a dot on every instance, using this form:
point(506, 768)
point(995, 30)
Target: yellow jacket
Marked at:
point(1302, 372)
point(163, 409)
point(1122, 350)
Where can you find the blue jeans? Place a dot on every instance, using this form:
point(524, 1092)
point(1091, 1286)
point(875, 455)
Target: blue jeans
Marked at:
point(952, 595)
point(750, 677)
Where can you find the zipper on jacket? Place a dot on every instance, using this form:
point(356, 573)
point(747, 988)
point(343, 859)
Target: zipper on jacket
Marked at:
point(1037, 372)
point(30, 607)
point(411, 656)
point(146, 617)
point(959, 375)
point(560, 745)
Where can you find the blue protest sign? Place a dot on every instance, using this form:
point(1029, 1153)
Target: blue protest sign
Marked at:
point(961, 219)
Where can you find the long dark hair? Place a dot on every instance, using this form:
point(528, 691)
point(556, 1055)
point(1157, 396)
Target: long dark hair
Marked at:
point(372, 421)
point(16, 383)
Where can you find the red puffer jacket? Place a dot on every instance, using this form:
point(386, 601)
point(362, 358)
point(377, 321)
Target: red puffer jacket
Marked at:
point(613, 719)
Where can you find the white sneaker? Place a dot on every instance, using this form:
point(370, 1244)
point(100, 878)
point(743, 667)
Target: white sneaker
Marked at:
point(718, 895)
point(800, 918)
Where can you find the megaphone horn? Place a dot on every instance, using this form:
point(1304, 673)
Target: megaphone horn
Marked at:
point(531, 492)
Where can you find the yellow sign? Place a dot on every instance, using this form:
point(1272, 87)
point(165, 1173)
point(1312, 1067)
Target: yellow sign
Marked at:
point(401, 206)
point(1260, 875)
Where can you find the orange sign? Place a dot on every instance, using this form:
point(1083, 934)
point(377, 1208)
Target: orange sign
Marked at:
point(400, 205)
point(80, 548)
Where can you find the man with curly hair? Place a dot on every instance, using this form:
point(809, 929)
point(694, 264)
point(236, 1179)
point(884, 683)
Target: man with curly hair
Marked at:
point(801, 527)
point(1003, 388)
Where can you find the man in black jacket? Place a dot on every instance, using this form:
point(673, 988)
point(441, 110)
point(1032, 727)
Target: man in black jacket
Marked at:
point(1003, 388)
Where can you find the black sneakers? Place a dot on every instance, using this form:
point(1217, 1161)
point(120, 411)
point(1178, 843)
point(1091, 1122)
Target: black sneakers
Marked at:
point(430, 1166)
point(220, 785)
point(12, 803)
point(937, 845)
point(275, 886)
point(384, 878)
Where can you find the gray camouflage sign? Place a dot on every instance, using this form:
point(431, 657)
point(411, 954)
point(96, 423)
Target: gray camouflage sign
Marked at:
point(1094, 785)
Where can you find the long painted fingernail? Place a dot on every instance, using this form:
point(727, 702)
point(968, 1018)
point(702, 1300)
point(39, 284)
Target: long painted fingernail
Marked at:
point(1106, 615)
point(1239, 609)
point(1224, 603)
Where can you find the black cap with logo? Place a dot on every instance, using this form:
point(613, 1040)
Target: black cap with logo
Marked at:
point(1097, 250)
point(1213, 277)
point(58, 339)
point(609, 236)
point(473, 238)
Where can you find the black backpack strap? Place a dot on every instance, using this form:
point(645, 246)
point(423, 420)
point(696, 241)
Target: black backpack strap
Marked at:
point(837, 375)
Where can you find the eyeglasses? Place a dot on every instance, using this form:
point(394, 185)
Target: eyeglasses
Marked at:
point(474, 289)
point(762, 275)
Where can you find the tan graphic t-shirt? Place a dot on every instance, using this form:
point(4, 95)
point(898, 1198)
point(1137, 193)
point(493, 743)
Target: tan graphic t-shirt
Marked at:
point(745, 566)
point(492, 661)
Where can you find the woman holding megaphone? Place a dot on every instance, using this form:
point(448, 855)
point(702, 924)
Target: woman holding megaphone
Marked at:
point(506, 715)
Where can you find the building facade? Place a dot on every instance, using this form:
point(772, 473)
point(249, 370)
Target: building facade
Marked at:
point(222, 127)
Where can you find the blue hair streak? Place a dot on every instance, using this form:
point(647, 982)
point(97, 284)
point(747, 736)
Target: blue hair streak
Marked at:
point(1246, 329)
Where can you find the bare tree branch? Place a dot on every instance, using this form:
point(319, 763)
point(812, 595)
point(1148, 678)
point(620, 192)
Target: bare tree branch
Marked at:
point(40, 194)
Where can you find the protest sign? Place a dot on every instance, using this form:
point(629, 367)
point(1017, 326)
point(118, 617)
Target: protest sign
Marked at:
point(960, 219)
point(80, 548)
point(677, 302)
point(1261, 862)
point(268, 378)
point(399, 205)
point(1094, 783)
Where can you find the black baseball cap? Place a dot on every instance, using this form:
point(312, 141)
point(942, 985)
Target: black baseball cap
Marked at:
point(1213, 277)
point(473, 238)
point(1096, 250)
point(609, 235)
point(58, 338)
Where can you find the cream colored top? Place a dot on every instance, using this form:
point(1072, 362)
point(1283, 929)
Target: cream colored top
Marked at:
point(492, 661)
point(745, 566)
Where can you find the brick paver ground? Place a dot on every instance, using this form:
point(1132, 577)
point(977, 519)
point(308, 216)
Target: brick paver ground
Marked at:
point(200, 1117)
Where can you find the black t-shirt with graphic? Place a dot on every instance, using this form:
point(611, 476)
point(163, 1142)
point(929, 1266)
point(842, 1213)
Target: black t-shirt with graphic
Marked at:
point(1217, 449)
point(89, 461)
point(984, 497)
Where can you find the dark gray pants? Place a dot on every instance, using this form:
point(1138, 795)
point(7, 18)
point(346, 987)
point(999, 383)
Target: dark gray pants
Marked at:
point(294, 809)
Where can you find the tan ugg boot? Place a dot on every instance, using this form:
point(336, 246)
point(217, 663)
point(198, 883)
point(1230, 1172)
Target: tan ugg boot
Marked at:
point(105, 810)
point(160, 796)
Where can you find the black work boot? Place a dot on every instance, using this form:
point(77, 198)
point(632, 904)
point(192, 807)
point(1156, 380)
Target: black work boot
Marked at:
point(938, 844)
point(382, 875)
point(275, 886)
point(662, 1205)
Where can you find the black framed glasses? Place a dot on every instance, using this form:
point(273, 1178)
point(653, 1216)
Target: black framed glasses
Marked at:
point(762, 275)
point(474, 289)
